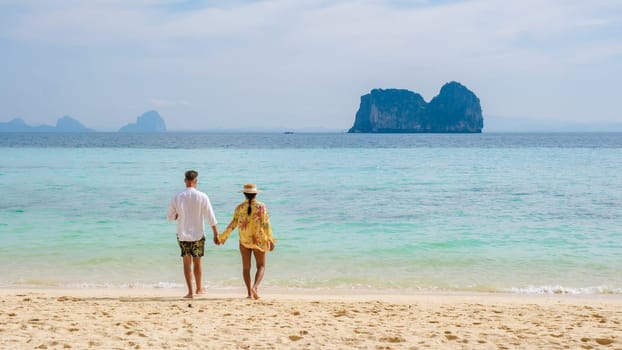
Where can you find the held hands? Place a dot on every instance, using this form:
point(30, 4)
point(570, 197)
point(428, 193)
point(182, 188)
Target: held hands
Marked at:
point(218, 240)
point(215, 232)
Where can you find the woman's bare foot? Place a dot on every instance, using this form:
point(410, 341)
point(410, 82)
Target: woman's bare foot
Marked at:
point(189, 296)
point(200, 291)
point(254, 293)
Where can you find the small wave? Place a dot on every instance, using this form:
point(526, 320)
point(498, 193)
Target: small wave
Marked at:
point(563, 290)
point(130, 285)
point(141, 285)
point(167, 285)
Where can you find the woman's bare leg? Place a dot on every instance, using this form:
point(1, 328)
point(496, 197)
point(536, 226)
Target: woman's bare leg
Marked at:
point(260, 262)
point(246, 268)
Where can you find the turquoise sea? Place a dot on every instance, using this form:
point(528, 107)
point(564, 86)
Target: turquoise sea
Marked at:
point(522, 213)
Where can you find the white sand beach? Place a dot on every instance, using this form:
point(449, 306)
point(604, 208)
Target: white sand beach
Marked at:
point(161, 319)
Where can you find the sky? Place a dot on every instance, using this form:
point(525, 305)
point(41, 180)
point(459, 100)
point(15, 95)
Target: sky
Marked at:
point(300, 64)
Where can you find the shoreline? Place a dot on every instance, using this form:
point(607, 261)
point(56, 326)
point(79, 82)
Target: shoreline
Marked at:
point(299, 292)
point(315, 295)
point(47, 318)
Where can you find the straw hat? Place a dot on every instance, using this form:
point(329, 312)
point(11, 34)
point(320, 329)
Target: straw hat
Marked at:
point(250, 188)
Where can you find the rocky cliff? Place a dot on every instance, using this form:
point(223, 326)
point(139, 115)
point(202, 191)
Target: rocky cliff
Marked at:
point(148, 122)
point(68, 124)
point(64, 124)
point(456, 109)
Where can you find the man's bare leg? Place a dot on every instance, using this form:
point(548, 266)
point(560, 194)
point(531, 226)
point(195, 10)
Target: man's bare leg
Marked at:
point(260, 262)
point(187, 259)
point(246, 268)
point(196, 263)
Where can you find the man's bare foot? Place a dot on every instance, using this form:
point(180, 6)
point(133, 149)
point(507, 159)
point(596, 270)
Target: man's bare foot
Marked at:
point(189, 296)
point(254, 293)
point(200, 291)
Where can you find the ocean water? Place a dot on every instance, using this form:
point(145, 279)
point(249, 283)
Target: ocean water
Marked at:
point(522, 213)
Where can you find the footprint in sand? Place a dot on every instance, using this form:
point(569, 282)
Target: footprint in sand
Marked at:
point(604, 341)
point(65, 298)
point(341, 313)
point(394, 339)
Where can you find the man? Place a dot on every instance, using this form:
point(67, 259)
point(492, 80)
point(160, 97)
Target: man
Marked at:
point(191, 208)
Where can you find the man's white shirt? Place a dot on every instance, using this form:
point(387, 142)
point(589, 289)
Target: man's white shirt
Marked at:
point(192, 208)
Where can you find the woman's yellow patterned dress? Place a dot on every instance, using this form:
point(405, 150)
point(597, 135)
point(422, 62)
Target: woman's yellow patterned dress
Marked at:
point(254, 229)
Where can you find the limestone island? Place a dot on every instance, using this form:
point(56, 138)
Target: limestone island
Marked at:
point(456, 109)
point(148, 122)
point(64, 124)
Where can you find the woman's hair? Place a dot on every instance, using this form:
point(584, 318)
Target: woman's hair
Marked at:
point(249, 197)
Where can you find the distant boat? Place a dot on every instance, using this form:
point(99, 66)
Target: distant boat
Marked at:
point(288, 132)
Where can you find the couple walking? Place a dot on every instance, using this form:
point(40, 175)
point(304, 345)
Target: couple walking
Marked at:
point(191, 207)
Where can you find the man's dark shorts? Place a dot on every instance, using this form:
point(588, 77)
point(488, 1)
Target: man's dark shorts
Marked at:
point(195, 249)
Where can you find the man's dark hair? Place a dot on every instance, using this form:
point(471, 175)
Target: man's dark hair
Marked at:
point(191, 175)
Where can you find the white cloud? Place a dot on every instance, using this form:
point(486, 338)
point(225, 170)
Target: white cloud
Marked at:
point(370, 28)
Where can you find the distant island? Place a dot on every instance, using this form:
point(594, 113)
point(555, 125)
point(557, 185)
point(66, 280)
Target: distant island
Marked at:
point(148, 122)
point(456, 109)
point(64, 124)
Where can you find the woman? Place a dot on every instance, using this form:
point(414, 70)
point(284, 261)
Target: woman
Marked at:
point(253, 224)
